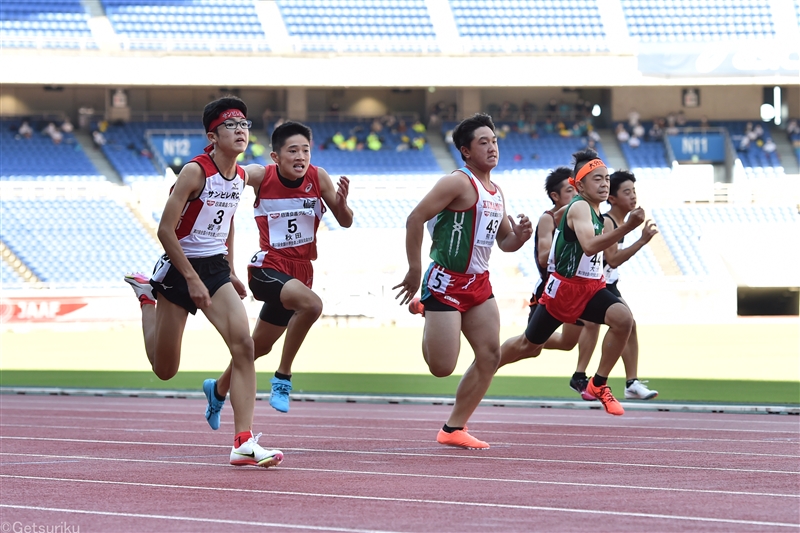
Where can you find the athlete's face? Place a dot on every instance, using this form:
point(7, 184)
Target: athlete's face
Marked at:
point(594, 186)
point(231, 140)
point(625, 198)
point(482, 152)
point(293, 157)
point(565, 193)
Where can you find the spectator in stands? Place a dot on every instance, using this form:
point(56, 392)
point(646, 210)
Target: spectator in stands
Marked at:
point(704, 122)
point(633, 118)
point(448, 136)
point(635, 141)
point(523, 126)
point(196, 272)
point(404, 144)
point(576, 289)
point(338, 140)
point(622, 134)
point(374, 142)
point(418, 127)
point(351, 144)
point(281, 273)
point(638, 130)
point(744, 143)
point(52, 131)
point(656, 132)
point(418, 143)
point(549, 127)
point(680, 119)
point(793, 128)
point(769, 148)
point(456, 291)
point(98, 138)
point(25, 130)
point(376, 126)
point(67, 126)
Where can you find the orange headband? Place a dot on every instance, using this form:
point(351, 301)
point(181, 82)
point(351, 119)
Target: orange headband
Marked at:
point(225, 115)
point(588, 167)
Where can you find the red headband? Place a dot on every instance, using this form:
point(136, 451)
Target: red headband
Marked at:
point(588, 167)
point(225, 115)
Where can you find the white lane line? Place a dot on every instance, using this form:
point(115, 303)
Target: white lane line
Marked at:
point(192, 519)
point(92, 427)
point(518, 414)
point(426, 476)
point(425, 501)
point(468, 455)
point(75, 459)
point(609, 423)
point(609, 446)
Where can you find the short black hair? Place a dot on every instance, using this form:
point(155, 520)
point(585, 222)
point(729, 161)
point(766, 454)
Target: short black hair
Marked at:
point(464, 133)
point(213, 109)
point(554, 180)
point(581, 158)
point(617, 179)
point(286, 130)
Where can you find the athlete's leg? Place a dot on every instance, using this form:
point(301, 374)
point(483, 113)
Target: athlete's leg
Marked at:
point(307, 307)
point(149, 331)
point(619, 320)
point(441, 341)
point(630, 355)
point(566, 339)
point(587, 342)
point(169, 321)
point(481, 328)
point(228, 315)
point(540, 328)
point(265, 335)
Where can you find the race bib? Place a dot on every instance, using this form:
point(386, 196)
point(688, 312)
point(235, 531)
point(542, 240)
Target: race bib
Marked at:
point(487, 229)
point(552, 286)
point(439, 280)
point(290, 228)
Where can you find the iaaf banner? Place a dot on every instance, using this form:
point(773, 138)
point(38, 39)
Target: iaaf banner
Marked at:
point(68, 309)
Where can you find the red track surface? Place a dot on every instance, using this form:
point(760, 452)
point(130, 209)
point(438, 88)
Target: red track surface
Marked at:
point(136, 464)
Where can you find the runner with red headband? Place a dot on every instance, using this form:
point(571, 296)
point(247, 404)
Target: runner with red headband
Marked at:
point(196, 272)
point(576, 288)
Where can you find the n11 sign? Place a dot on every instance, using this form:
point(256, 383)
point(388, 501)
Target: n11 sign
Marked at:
point(695, 147)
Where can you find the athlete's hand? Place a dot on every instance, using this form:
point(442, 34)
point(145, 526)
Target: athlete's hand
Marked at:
point(635, 218)
point(239, 287)
point(342, 190)
point(648, 231)
point(408, 288)
point(523, 230)
point(198, 292)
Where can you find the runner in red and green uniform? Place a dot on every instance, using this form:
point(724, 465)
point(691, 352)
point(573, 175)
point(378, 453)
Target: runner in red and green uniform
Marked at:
point(467, 216)
point(576, 289)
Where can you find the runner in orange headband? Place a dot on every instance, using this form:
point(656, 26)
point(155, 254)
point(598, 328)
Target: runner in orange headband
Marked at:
point(588, 167)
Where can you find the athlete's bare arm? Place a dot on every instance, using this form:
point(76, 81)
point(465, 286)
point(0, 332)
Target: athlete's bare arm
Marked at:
point(453, 191)
point(615, 257)
point(255, 175)
point(546, 228)
point(188, 186)
point(579, 218)
point(336, 199)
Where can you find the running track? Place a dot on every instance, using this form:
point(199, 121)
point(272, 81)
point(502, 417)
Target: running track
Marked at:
point(152, 464)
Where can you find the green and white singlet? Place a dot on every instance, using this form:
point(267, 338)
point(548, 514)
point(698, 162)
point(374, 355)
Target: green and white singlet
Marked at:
point(566, 253)
point(463, 240)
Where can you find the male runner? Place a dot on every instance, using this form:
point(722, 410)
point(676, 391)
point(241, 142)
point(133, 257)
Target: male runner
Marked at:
point(197, 270)
point(576, 288)
point(465, 213)
point(291, 197)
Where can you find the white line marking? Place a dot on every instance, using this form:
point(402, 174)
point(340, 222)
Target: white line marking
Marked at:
point(74, 459)
point(469, 456)
point(414, 500)
point(190, 519)
point(609, 446)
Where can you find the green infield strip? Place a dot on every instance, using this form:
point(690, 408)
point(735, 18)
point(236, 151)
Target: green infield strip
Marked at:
point(677, 390)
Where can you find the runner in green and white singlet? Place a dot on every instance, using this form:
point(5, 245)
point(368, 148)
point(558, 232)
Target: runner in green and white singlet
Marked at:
point(467, 215)
point(576, 289)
